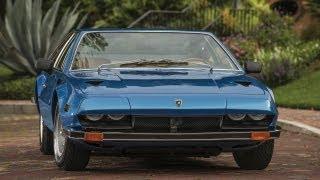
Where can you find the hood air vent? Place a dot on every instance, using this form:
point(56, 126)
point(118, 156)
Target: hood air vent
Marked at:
point(243, 82)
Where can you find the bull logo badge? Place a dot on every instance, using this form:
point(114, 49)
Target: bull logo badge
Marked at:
point(178, 102)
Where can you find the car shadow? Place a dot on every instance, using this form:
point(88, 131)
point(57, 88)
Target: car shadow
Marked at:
point(160, 165)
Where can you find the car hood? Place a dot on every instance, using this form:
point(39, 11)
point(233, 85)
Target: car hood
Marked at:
point(178, 81)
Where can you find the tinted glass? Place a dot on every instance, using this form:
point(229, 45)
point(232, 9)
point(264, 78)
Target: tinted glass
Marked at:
point(60, 61)
point(148, 49)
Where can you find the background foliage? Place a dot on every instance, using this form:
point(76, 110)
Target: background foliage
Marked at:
point(29, 35)
point(119, 13)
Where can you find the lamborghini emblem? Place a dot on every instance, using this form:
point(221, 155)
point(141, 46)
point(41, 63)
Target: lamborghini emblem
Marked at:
point(178, 102)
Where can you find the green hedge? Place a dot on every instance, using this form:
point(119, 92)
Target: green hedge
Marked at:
point(21, 88)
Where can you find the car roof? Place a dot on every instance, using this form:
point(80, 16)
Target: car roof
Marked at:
point(86, 30)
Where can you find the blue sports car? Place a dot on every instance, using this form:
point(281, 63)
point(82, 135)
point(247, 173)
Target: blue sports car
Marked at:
point(152, 93)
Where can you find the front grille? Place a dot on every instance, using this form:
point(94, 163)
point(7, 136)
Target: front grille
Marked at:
point(179, 124)
point(156, 124)
point(174, 124)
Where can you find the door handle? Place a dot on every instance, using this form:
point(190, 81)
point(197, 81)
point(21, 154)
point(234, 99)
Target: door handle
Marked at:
point(44, 85)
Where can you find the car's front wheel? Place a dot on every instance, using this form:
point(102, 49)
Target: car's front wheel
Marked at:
point(257, 158)
point(45, 138)
point(67, 155)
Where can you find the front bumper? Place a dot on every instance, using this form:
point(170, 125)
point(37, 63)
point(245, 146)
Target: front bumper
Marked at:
point(120, 142)
point(206, 136)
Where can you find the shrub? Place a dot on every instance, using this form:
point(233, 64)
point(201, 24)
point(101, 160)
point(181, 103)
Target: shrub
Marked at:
point(275, 44)
point(22, 88)
point(284, 63)
point(274, 31)
point(271, 31)
point(5, 73)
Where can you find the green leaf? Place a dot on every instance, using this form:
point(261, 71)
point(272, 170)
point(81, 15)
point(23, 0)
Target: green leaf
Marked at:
point(36, 26)
point(26, 35)
point(47, 28)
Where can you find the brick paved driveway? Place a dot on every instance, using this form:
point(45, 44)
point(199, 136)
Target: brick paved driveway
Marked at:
point(296, 157)
point(308, 117)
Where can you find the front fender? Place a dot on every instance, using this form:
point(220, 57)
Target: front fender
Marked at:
point(68, 101)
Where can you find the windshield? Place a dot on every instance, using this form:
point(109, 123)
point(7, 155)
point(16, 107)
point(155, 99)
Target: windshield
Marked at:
point(150, 49)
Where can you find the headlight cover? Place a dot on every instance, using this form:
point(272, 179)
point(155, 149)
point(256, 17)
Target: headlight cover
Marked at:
point(94, 117)
point(116, 117)
point(257, 117)
point(236, 117)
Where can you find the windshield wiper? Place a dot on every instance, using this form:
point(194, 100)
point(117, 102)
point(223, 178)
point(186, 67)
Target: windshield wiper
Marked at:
point(103, 67)
point(161, 63)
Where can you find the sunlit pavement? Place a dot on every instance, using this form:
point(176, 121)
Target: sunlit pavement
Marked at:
point(296, 156)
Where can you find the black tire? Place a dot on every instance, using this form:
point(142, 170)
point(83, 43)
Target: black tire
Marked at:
point(72, 157)
point(255, 159)
point(45, 139)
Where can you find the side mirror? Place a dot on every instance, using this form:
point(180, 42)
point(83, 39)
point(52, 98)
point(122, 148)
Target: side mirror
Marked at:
point(252, 67)
point(44, 65)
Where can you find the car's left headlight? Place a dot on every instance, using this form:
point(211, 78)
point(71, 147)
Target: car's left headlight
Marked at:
point(116, 117)
point(257, 117)
point(236, 117)
point(94, 117)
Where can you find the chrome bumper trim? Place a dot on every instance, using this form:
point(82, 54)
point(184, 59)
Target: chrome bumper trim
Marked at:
point(206, 136)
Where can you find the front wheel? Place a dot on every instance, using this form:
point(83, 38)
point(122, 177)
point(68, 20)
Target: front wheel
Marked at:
point(257, 158)
point(67, 155)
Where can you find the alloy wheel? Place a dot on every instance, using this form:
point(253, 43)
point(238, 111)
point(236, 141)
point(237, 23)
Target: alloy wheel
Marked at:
point(59, 141)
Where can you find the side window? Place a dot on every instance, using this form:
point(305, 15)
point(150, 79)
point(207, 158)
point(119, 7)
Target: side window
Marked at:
point(57, 50)
point(54, 57)
point(60, 61)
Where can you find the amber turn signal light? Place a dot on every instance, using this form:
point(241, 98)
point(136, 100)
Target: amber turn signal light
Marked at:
point(93, 137)
point(260, 136)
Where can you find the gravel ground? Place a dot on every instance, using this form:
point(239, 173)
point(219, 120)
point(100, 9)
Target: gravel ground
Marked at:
point(296, 156)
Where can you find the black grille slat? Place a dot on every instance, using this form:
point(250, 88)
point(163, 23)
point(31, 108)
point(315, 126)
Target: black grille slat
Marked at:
point(159, 123)
point(182, 123)
point(198, 123)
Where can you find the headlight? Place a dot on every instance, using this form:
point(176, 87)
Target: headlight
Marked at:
point(257, 117)
point(236, 117)
point(94, 117)
point(116, 117)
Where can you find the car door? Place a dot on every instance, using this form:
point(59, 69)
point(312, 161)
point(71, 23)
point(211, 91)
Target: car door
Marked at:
point(47, 81)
